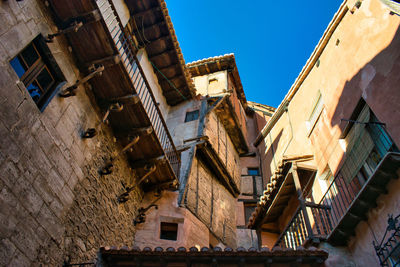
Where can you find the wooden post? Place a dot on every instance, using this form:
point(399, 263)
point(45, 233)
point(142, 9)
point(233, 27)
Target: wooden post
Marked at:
point(303, 207)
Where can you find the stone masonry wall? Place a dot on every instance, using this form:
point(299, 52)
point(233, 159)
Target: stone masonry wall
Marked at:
point(54, 206)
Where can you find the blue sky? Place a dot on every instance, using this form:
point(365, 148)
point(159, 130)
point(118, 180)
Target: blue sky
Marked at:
point(272, 40)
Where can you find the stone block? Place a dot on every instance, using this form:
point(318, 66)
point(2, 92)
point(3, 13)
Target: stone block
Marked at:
point(60, 162)
point(9, 173)
point(49, 221)
point(19, 260)
point(66, 196)
point(26, 238)
point(54, 181)
point(27, 195)
point(7, 19)
point(7, 144)
point(43, 137)
point(7, 250)
point(11, 212)
point(16, 38)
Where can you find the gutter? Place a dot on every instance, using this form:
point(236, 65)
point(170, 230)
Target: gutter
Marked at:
point(319, 49)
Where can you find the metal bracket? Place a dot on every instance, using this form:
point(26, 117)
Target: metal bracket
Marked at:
point(70, 91)
point(74, 27)
point(141, 217)
point(92, 132)
point(107, 169)
point(124, 197)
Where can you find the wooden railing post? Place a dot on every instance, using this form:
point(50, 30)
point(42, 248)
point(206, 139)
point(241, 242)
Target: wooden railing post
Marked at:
point(303, 207)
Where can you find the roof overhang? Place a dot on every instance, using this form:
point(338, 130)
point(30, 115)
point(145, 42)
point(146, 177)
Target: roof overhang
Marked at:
point(153, 29)
point(210, 257)
point(278, 191)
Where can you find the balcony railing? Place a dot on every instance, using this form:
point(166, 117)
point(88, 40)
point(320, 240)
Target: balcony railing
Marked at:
point(388, 250)
point(313, 221)
point(127, 52)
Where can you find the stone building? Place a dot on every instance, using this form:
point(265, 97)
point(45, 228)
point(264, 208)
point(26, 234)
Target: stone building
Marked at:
point(330, 151)
point(108, 138)
point(101, 124)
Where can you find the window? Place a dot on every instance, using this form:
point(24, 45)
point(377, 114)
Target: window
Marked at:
point(366, 143)
point(192, 115)
point(315, 112)
point(169, 231)
point(394, 5)
point(253, 171)
point(38, 71)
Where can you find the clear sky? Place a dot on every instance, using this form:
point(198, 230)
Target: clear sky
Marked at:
point(271, 40)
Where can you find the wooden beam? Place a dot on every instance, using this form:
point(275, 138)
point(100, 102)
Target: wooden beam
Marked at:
point(138, 164)
point(146, 28)
point(161, 38)
point(152, 57)
point(169, 66)
point(145, 12)
point(297, 184)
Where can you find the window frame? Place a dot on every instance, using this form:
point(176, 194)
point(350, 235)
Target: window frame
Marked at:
point(252, 169)
point(316, 111)
point(191, 113)
point(164, 228)
point(44, 64)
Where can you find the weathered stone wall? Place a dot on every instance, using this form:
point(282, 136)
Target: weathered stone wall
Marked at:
point(211, 202)
point(54, 205)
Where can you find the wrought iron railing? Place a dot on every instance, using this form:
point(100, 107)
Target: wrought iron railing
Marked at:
point(343, 191)
point(127, 51)
point(310, 222)
point(388, 250)
point(324, 217)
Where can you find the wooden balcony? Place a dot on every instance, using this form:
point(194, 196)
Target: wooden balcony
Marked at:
point(102, 46)
point(346, 202)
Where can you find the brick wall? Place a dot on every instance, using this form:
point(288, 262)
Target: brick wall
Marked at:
point(54, 205)
point(211, 202)
point(222, 144)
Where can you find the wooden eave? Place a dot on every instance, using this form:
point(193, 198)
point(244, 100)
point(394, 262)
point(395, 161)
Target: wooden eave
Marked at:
point(227, 115)
point(220, 63)
point(210, 156)
point(182, 257)
point(153, 29)
point(91, 43)
point(279, 191)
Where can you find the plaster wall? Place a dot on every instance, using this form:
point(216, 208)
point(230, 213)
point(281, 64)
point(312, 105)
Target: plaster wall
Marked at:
point(178, 128)
point(153, 82)
point(359, 61)
point(191, 231)
point(213, 84)
point(54, 206)
point(122, 11)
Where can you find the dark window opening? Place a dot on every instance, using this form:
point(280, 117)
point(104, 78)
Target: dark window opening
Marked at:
point(253, 171)
point(169, 231)
point(192, 115)
point(37, 70)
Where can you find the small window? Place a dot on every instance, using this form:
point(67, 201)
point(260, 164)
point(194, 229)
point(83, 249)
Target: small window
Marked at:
point(192, 115)
point(253, 171)
point(35, 67)
point(315, 112)
point(169, 231)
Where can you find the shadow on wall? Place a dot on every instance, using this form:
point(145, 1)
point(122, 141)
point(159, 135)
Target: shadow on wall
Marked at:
point(377, 82)
point(269, 156)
